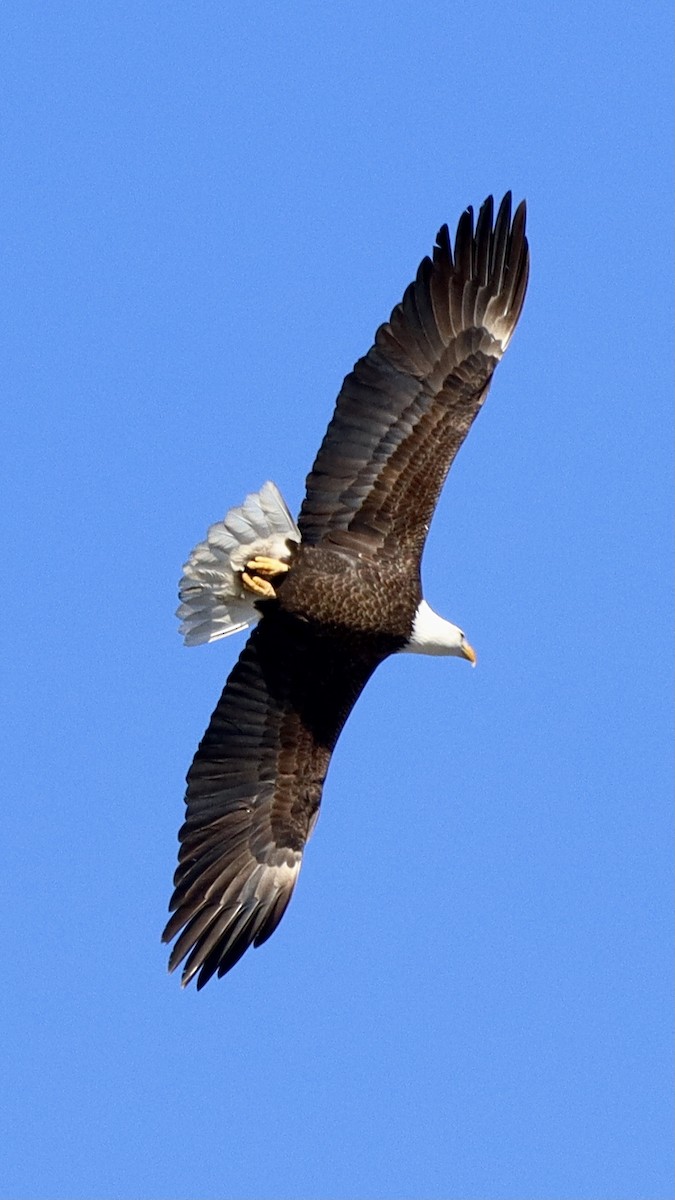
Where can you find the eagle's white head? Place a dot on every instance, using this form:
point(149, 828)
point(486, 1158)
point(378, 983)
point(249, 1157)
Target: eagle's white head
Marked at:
point(432, 634)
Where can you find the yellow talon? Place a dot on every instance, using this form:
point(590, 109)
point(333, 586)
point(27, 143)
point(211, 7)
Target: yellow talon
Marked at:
point(261, 587)
point(262, 565)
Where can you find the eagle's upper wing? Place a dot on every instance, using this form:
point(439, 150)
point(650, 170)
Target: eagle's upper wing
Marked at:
point(254, 790)
point(407, 406)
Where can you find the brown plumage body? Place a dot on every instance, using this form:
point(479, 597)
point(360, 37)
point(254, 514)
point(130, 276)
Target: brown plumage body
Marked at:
point(352, 593)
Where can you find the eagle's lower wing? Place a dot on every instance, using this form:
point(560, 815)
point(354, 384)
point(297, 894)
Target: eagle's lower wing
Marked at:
point(254, 790)
point(407, 406)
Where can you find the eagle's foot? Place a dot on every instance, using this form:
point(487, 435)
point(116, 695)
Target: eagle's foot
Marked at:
point(262, 588)
point(259, 572)
point(262, 565)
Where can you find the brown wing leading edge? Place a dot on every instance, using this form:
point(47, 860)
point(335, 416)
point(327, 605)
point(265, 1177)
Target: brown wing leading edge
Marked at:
point(404, 411)
point(254, 790)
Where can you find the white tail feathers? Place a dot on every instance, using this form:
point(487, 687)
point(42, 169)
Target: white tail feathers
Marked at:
point(214, 602)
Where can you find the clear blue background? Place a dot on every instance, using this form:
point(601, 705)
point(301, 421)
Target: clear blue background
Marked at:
point(206, 210)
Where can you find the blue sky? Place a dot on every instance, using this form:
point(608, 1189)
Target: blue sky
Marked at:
point(206, 210)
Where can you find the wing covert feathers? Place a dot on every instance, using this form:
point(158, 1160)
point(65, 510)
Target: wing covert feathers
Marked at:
point(405, 409)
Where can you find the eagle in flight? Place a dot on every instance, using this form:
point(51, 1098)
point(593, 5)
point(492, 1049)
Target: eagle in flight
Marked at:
point(335, 594)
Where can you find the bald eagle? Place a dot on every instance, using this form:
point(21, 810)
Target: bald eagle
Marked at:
point(335, 594)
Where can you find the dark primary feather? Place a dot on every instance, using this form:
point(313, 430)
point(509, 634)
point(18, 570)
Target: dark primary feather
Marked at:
point(254, 790)
point(407, 406)
point(255, 784)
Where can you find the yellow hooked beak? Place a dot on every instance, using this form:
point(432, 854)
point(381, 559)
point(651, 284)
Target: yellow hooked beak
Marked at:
point(469, 652)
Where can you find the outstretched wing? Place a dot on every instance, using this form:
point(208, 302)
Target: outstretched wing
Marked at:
point(254, 790)
point(405, 409)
